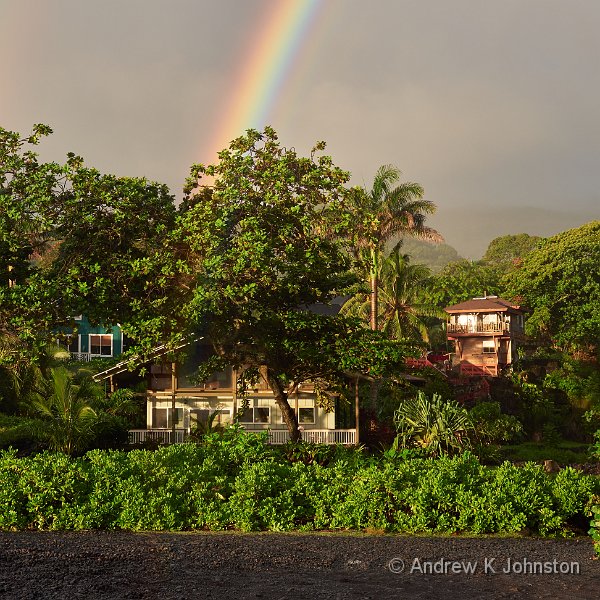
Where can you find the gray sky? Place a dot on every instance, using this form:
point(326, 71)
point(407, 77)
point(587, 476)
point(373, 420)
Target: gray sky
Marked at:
point(491, 105)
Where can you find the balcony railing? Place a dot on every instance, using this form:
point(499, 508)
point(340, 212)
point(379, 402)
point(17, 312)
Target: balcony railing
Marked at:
point(347, 437)
point(478, 327)
point(471, 370)
point(81, 356)
point(158, 436)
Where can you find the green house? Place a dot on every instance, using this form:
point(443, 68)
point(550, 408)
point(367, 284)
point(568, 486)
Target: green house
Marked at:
point(95, 341)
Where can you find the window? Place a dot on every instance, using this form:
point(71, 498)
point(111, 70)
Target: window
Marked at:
point(101, 344)
point(72, 344)
point(306, 416)
point(256, 414)
point(489, 347)
point(75, 344)
point(200, 416)
point(161, 418)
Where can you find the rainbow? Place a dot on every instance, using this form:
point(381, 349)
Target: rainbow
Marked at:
point(261, 77)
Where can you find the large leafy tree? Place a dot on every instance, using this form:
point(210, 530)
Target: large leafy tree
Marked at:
point(265, 245)
point(389, 209)
point(560, 282)
point(460, 281)
point(506, 252)
point(73, 240)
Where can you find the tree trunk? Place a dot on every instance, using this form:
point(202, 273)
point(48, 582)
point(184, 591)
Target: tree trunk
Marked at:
point(281, 398)
point(374, 387)
point(374, 300)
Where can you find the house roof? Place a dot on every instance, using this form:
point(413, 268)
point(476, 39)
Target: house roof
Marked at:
point(137, 361)
point(485, 304)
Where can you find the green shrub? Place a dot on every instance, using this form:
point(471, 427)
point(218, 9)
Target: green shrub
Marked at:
point(240, 482)
point(594, 531)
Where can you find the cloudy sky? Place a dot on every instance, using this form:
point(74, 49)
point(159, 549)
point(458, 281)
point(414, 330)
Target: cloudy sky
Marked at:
point(492, 105)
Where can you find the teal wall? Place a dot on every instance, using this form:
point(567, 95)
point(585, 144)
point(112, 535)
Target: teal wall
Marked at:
point(84, 329)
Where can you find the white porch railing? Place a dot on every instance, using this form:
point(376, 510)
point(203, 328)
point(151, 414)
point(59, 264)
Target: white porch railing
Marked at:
point(81, 356)
point(160, 436)
point(346, 437)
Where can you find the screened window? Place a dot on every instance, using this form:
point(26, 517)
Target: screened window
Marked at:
point(101, 344)
point(161, 418)
point(256, 414)
point(306, 416)
point(201, 416)
point(489, 347)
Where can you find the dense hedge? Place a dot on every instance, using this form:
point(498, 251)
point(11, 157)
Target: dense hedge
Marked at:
point(239, 482)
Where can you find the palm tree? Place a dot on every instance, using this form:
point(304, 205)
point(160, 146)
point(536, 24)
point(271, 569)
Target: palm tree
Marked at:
point(401, 310)
point(384, 211)
point(66, 419)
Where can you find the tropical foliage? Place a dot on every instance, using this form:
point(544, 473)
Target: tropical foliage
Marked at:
point(401, 306)
point(560, 282)
point(237, 482)
point(66, 419)
point(438, 426)
point(388, 209)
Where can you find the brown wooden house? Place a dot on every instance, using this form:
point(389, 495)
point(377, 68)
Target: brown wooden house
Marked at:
point(486, 332)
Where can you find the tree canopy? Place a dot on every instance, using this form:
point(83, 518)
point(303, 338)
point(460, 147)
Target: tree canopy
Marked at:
point(461, 281)
point(559, 282)
point(506, 252)
point(266, 246)
point(72, 241)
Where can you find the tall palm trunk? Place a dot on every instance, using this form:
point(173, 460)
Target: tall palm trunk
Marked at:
point(374, 301)
point(374, 276)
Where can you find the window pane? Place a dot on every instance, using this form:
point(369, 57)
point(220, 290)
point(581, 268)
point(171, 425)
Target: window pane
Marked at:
point(246, 416)
point(94, 344)
point(74, 345)
point(261, 415)
point(178, 417)
point(306, 415)
point(199, 416)
point(159, 418)
point(106, 345)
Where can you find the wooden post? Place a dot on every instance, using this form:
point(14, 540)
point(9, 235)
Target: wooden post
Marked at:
point(173, 387)
point(234, 394)
point(356, 410)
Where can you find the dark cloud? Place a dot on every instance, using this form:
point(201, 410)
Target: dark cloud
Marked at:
point(492, 106)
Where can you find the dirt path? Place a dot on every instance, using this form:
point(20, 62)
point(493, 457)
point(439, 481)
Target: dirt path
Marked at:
point(119, 565)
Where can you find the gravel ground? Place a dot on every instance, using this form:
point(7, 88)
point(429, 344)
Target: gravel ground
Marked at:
point(165, 566)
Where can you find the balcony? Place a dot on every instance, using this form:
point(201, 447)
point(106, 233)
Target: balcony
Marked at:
point(480, 327)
